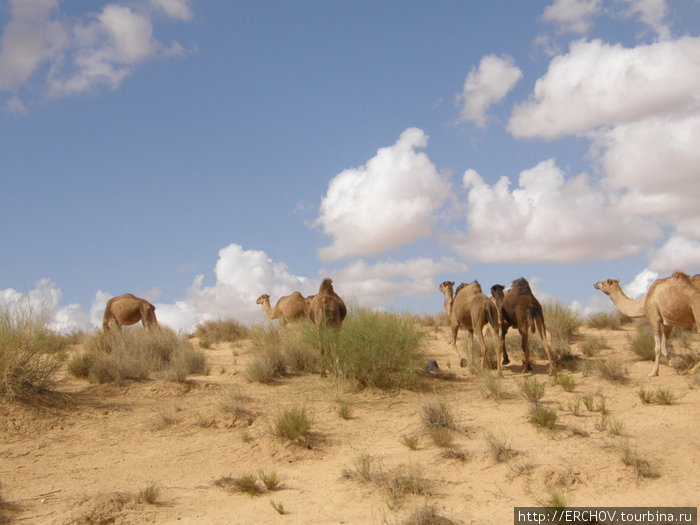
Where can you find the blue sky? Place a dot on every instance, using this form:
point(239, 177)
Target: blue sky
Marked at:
point(199, 154)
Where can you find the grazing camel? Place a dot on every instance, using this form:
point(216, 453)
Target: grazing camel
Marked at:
point(626, 306)
point(127, 309)
point(289, 309)
point(326, 307)
point(470, 308)
point(520, 309)
point(673, 301)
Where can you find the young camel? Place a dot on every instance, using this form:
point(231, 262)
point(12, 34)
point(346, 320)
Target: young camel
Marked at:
point(673, 301)
point(470, 308)
point(127, 309)
point(289, 309)
point(520, 309)
point(326, 307)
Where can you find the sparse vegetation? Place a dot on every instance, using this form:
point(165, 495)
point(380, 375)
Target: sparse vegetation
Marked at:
point(269, 479)
point(427, 515)
point(642, 341)
point(277, 506)
point(492, 385)
point(363, 467)
point(567, 382)
point(406, 480)
point(553, 500)
point(660, 396)
point(137, 354)
point(612, 370)
point(612, 320)
point(412, 441)
point(543, 416)
point(532, 389)
point(641, 466)
point(562, 322)
point(344, 410)
point(499, 447)
point(29, 352)
point(591, 346)
point(293, 424)
point(149, 494)
point(245, 483)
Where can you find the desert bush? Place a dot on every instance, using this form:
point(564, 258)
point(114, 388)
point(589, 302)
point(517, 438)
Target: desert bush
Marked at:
point(591, 346)
point(436, 413)
point(344, 410)
point(660, 396)
point(642, 341)
point(612, 370)
point(427, 515)
point(363, 467)
point(531, 389)
point(542, 416)
point(562, 322)
point(412, 441)
point(246, 483)
point(372, 350)
point(641, 466)
point(29, 352)
point(136, 354)
point(266, 365)
point(149, 494)
point(553, 500)
point(611, 320)
point(499, 447)
point(567, 382)
point(220, 330)
point(270, 479)
point(405, 481)
point(293, 424)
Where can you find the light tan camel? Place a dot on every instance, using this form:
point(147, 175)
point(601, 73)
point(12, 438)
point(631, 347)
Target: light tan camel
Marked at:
point(673, 301)
point(470, 308)
point(289, 309)
point(127, 309)
point(626, 306)
point(326, 307)
point(520, 309)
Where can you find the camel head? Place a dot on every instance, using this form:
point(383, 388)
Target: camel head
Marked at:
point(447, 286)
point(497, 293)
point(262, 299)
point(607, 286)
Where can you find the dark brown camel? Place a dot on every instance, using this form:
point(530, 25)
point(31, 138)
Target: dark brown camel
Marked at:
point(326, 307)
point(471, 309)
point(127, 309)
point(520, 309)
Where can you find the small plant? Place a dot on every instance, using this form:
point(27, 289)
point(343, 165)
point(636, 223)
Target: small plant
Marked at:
point(605, 320)
point(543, 417)
point(277, 506)
point(436, 414)
point(577, 431)
point(427, 515)
point(269, 479)
point(455, 453)
point(589, 402)
point(566, 382)
point(412, 441)
point(233, 401)
point(641, 466)
point(642, 342)
point(602, 407)
point(441, 436)
point(499, 447)
point(602, 424)
point(616, 427)
point(149, 494)
point(591, 346)
point(553, 500)
point(220, 330)
point(363, 467)
point(575, 407)
point(492, 386)
point(663, 396)
point(612, 370)
point(246, 483)
point(344, 410)
point(646, 396)
point(406, 480)
point(532, 389)
point(266, 366)
point(293, 424)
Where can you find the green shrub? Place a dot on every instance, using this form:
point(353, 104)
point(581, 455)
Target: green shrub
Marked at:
point(220, 330)
point(137, 354)
point(642, 341)
point(605, 320)
point(542, 416)
point(372, 349)
point(293, 424)
point(567, 382)
point(612, 370)
point(531, 389)
point(562, 322)
point(29, 352)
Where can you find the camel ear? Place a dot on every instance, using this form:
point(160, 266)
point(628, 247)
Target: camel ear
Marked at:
point(452, 283)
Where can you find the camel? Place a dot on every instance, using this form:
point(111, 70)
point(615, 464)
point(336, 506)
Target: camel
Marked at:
point(520, 309)
point(626, 306)
point(326, 307)
point(470, 308)
point(127, 309)
point(673, 301)
point(289, 309)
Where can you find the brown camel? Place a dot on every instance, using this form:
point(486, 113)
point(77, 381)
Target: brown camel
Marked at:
point(673, 301)
point(470, 308)
point(326, 307)
point(127, 309)
point(289, 309)
point(626, 306)
point(520, 309)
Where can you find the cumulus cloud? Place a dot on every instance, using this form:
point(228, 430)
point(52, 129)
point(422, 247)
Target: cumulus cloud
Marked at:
point(485, 86)
point(68, 56)
point(678, 253)
point(388, 202)
point(650, 12)
point(640, 284)
point(546, 218)
point(572, 16)
point(598, 84)
point(177, 9)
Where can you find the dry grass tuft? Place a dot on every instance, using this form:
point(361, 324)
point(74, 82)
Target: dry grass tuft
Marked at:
point(293, 424)
point(532, 389)
point(612, 370)
point(543, 417)
point(149, 494)
point(245, 483)
point(499, 447)
point(217, 331)
point(642, 467)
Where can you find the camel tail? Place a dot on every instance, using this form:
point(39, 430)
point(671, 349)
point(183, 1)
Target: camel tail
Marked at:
point(532, 319)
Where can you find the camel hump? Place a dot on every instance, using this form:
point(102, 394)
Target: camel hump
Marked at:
point(326, 286)
point(521, 287)
point(678, 274)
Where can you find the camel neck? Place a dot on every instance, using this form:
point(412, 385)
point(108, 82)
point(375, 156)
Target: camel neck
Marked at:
point(627, 306)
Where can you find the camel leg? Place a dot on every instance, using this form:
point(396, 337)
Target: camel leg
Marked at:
point(462, 361)
point(657, 350)
point(543, 335)
point(480, 337)
point(665, 336)
point(497, 348)
point(526, 349)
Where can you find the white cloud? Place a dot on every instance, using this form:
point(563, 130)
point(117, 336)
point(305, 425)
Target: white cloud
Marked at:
point(66, 56)
point(678, 253)
point(652, 13)
point(546, 218)
point(177, 9)
point(640, 284)
point(485, 86)
point(16, 106)
point(572, 16)
point(598, 84)
point(388, 202)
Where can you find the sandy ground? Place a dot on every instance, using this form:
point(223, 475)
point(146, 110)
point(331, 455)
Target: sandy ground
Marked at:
point(84, 455)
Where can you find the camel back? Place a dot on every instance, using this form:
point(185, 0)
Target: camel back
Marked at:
point(521, 287)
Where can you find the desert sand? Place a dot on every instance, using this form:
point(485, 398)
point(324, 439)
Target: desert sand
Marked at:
point(87, 450)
